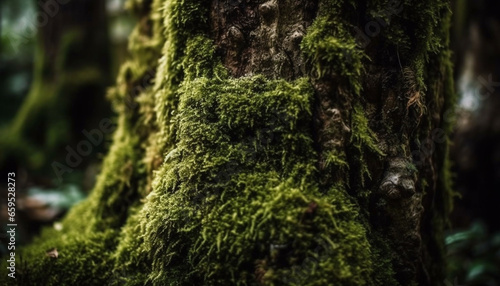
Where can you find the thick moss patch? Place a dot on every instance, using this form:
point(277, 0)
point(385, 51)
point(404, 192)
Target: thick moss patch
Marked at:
point(82, 259)
point(236, 201)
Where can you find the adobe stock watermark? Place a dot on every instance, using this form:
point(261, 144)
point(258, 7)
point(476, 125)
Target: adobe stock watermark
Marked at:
point(484, 89)
point(145, 82)
point(49, 9)
point(373, 28)
point(95, 137)
point(74, 156)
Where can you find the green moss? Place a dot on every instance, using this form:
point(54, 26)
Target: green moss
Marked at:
point(200, 60)
point(114, 191)
point(363, 139)
point(183, 20)
point(82, 260)
point(241, 181)
point(447, 123)
point(337, 160)
point(362, 136)
point(331, 49)
point(94, 225)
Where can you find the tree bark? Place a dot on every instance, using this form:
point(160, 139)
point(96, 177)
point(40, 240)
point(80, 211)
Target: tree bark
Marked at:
point(282, 143)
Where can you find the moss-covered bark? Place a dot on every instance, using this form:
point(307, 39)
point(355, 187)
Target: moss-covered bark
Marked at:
point(223, 177)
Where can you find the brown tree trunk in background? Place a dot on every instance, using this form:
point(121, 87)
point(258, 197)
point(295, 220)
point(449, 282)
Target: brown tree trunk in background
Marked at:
point(70, 76)
point(476, 148)
point(71, 72)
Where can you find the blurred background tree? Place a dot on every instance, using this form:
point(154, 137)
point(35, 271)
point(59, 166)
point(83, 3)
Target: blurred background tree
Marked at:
point(71, 70)
point(474, 240)
point(57, 59)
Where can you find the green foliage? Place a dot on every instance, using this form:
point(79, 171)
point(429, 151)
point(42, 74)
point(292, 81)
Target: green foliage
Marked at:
point(45, 109)
point(61, 198)
point(473, 255)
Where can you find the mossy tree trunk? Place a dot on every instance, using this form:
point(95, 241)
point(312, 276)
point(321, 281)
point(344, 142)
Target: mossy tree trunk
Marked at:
point(277, 146)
